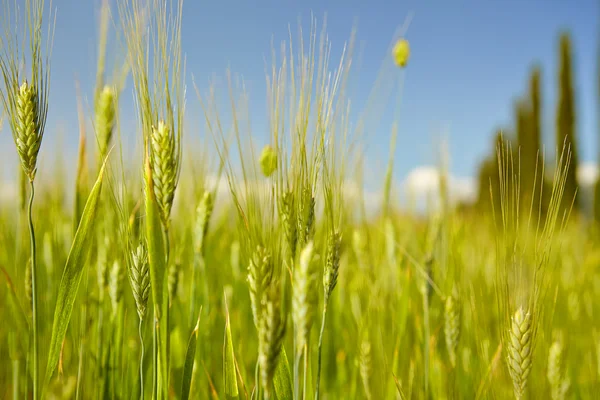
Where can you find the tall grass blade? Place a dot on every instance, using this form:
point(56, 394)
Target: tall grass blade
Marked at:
point(69, 283)
point(190, 356)
point(282, 381)
point(229, 372)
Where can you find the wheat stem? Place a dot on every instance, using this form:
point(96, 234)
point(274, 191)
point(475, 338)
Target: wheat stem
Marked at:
point(34, 295)
point(319, 349)
point(141, 359)
point(15, 365)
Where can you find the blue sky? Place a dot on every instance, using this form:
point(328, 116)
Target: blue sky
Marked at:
point(469, 62)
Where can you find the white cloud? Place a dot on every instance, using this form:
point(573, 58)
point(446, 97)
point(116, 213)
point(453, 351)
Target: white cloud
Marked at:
point(587, 174)
point(423, 185)
point(8, 192)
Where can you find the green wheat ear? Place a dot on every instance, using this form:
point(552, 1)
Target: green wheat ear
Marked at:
point(332, 264)
point(557, 378)
point(260, 274)
point(271, 333)
point(452, 327)
point(520, 350)
point(203, 214)
point(105, 119)
point(139, 278)
point(304, 297)
point(164, 168)
point(288, 221)
point(28, 135)
point(115, 287)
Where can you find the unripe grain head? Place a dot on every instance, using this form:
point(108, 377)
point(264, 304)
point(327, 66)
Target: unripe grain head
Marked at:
point(520, 350)
point(139, 278)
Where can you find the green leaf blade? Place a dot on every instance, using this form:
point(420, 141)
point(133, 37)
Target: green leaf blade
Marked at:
point(282, 381)
point(69, 283)
point(188, 367)
point(229, 373)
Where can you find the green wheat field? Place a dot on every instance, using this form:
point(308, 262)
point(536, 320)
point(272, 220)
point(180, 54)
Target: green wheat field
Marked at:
point(231, 270)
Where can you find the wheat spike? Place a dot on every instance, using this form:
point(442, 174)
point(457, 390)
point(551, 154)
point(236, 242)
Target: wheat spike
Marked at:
point(332, 263)
point(271, 333)
point(28, 135)
point(306, 217)
point(164, 168)
point(173, 280)
point(452, 327)
point(286, 212)
point(365, 365)
point(139, 278)
point(359, 245)
point(305, 298)
point(520, 349)
point(559, 384)
point(203, 214)
point(102, 263)
point(115, 287)
point(105, 118)
point(260, 273)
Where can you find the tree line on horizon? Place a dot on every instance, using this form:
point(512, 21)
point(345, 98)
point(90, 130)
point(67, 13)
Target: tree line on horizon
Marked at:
point(520, 156)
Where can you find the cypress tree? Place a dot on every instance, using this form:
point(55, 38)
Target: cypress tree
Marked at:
point(525, 159)
point(489, 178)
point(565, 121)
point(535, 128)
